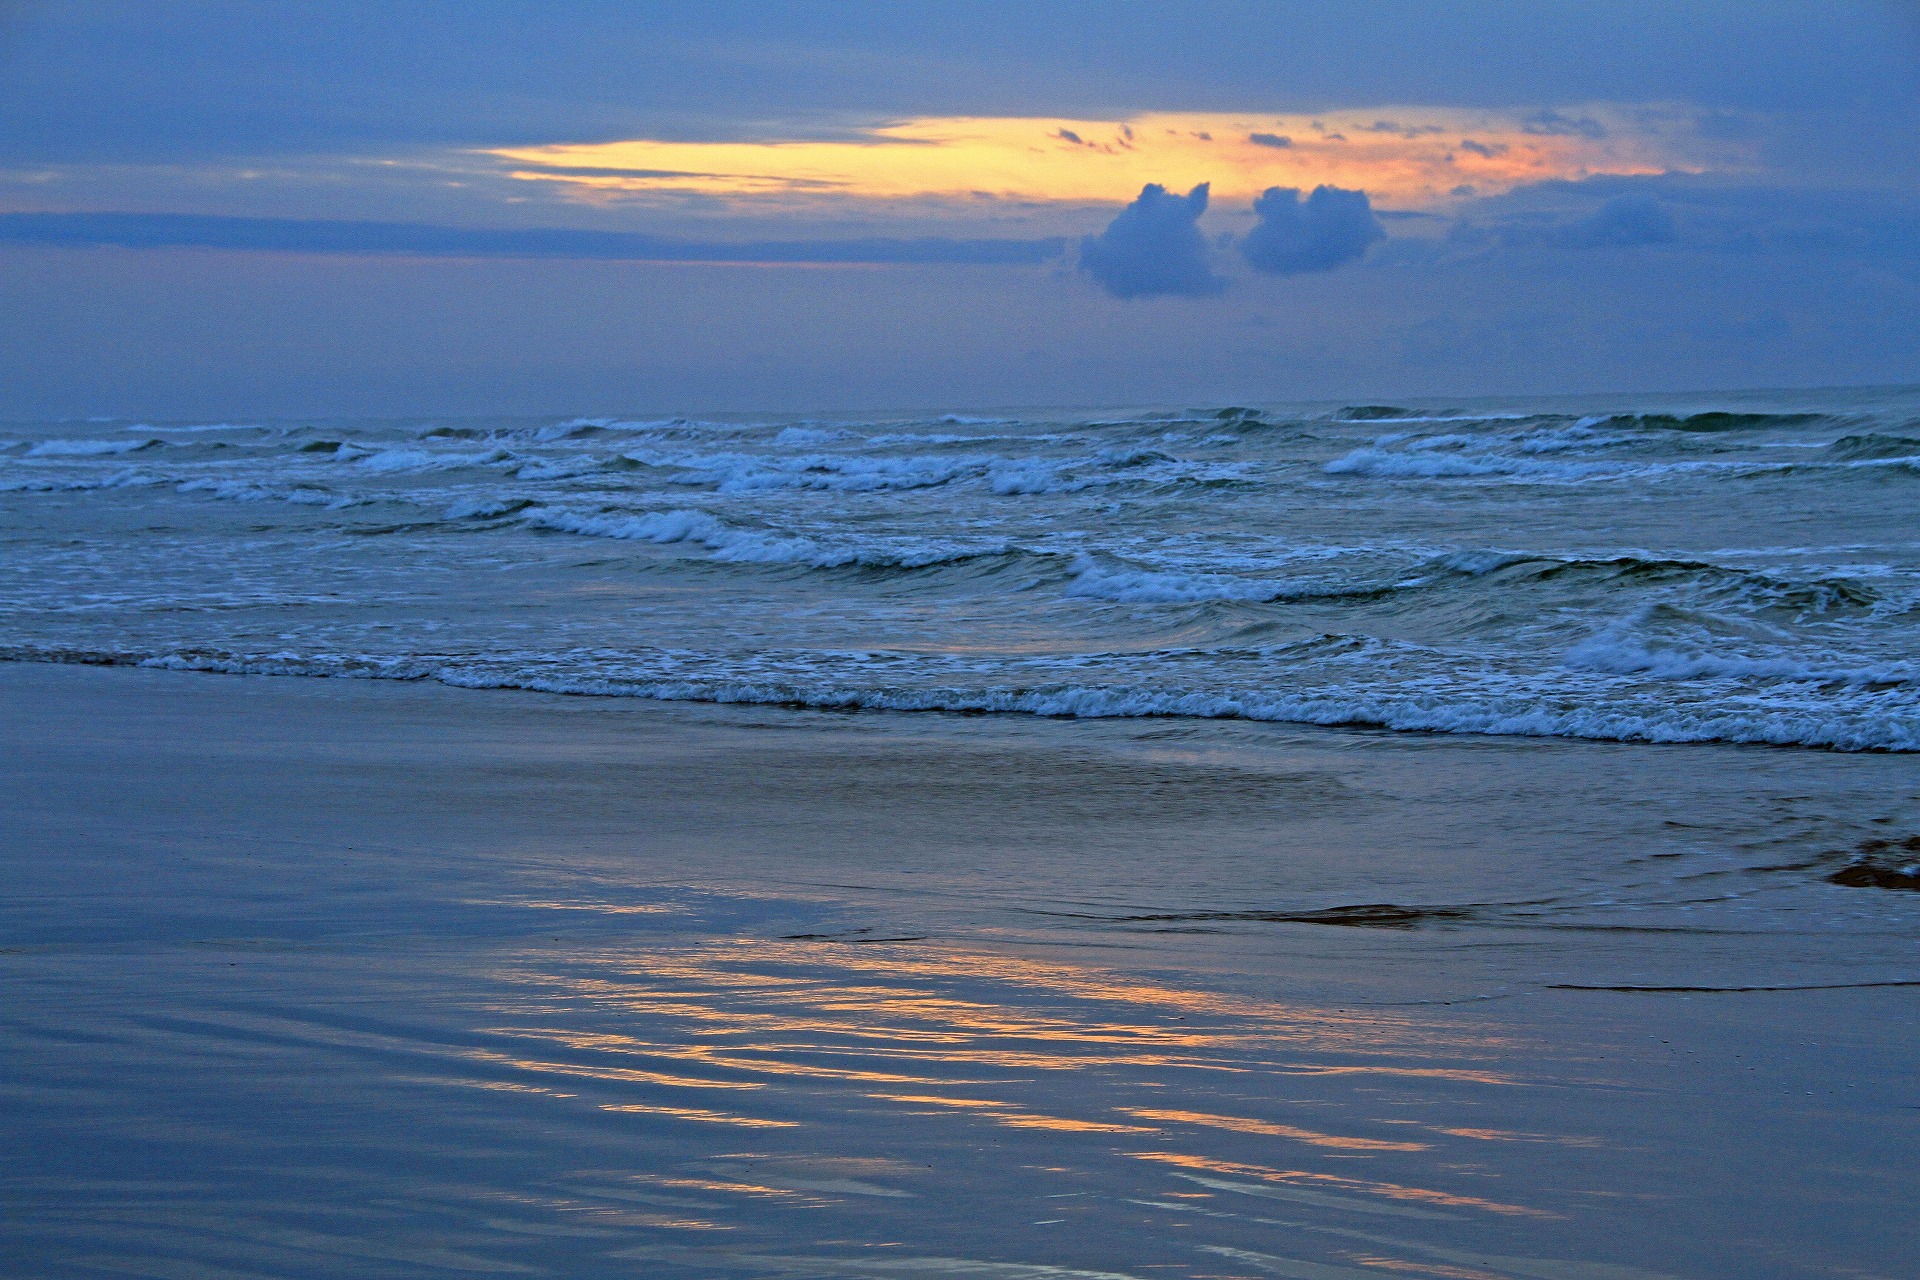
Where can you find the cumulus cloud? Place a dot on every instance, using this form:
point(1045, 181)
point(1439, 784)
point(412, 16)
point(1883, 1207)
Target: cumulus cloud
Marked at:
point(1154, 248)
point(1330, 227)
point(1270, 139)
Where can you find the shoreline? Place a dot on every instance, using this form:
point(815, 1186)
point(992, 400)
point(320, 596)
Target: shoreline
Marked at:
point(1088, 704)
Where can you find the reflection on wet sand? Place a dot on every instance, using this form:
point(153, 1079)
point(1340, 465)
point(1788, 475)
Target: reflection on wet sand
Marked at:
point(1013, 1117)
point(1240, 1124)
point(962, 1043)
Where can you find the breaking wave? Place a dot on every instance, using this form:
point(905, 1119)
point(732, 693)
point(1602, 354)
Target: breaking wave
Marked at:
point(1462, 710)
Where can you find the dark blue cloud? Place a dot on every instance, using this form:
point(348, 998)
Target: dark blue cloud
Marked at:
point(1625, 221)
point(413, 239)
point(146, 82)
point(1553, 123)
point(1697, 213)
point(1154, 248)
point(1270, 139)
point(1331, 227)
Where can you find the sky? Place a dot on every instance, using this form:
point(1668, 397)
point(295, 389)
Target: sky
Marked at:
point(259, 209)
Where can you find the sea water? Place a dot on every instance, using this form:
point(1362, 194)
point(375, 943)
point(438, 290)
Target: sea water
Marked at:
point(1730, 567)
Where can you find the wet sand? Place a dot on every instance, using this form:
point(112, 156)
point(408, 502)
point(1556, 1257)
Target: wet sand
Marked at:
point(329, 977)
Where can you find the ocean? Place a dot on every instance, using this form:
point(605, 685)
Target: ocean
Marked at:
point(1708, 568)
point(1454, 839)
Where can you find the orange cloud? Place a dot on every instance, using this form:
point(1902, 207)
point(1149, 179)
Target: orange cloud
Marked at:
point(1404, 157)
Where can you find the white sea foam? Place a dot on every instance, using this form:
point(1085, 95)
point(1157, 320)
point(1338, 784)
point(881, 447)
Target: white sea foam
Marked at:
point(1094, 580)
point(1620, 654)
point(1425, 443)
point(1008, 478)
point(1567, 439)
point(806, 436)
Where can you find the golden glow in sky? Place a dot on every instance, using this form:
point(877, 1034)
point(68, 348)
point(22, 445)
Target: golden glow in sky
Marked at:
point(1403, 157)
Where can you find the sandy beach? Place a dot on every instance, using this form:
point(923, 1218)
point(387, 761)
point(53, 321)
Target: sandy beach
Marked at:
point(320, 977)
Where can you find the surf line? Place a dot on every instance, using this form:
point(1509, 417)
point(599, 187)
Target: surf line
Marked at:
point(1814, 986)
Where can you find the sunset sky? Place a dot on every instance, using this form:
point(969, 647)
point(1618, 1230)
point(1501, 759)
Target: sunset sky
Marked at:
point(280, 208)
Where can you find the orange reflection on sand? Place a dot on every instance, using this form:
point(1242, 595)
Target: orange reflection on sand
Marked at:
point(1061, 1124)
point(1506, 1135)
point(723, 1187)
point(777, 1063)
point(1427, 1073)
point(705, 1117)
point(1239, 1125)
point(1012, 1115)
point(912, 1022)
point(599, 908)
point(1302, 1177)
point(901, 1015)
point(1408, 156)
point(625, 1075)
point(1269, 1019)
point(1425, 1268)
point(879, 1015)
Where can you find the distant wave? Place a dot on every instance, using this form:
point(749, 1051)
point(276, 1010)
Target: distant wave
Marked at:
point(89, 448)
point(403, 460)
point(1086, 576)
point(127, 479)
point(1530, 454)
point(857, 472)
point(250, 491)
point(1757, 586)
point(1872, 445)
point(1712, 420)
point(1133, 584)
point(729, 543)
point(1375, 461)
point(1127, 584)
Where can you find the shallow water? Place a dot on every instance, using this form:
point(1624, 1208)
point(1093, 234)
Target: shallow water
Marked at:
point(312, 977)
point(1722, 568)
